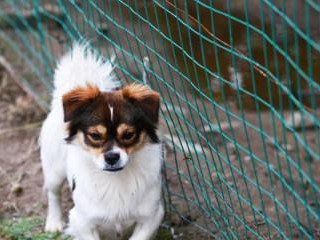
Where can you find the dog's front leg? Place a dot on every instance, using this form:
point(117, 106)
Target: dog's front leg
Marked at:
point(147, 226)
point(81, 228)
point(54, 222)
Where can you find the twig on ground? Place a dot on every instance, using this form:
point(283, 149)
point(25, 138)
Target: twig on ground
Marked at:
point(16, 187)
point(20, 128)
point(10, 70)
point(3, 173)
point(12, 205)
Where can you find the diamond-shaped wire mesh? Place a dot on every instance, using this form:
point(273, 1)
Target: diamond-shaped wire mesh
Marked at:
point(240, 86)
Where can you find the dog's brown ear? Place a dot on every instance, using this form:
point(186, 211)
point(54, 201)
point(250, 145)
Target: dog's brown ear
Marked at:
point(77, 98)
point(145, 98)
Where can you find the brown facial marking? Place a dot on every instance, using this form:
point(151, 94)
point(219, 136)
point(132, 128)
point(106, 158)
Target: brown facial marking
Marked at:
point(94, 150)
point(131, 123)
point(126, 134)
point(77, 98)
point(97, 134)
point(138, 144)
point(146, 99)
point(100, 129)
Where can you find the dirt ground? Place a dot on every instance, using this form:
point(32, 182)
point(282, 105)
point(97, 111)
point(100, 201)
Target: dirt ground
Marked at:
point(20, 177)
point(19, 160)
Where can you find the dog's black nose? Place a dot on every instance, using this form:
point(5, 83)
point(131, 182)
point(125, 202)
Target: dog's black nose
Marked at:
point(111, 157)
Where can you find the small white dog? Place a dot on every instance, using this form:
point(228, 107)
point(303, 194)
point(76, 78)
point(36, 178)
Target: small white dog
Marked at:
point(105, 142)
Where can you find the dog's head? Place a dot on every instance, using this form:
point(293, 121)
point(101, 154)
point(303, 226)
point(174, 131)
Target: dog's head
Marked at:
point(112, 125)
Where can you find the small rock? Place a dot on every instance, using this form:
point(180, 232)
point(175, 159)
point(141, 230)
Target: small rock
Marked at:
point(224, 126)
point(287, 147)
point(103, 27)
point(23, 102)
point(230, 183)
point(247, 158)
point(16, 188)
point(235, 77)
point(214, 175)
point(299, 121)
point(215, 84)
point(231, 148)
point(233, 158)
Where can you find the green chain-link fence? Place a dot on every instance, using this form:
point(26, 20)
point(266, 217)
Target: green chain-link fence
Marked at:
point(240, 86)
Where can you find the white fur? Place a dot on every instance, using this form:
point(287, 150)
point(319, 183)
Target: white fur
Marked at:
point(111, 112)
point(105, 203)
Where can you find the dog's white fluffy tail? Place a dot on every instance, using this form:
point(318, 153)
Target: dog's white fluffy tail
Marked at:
point(82, 66)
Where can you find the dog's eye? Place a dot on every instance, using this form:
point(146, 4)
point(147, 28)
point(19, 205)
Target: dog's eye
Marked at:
point(95, 136)
point(128, 135)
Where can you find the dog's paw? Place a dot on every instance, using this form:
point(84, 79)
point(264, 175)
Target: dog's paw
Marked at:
point(53, 225)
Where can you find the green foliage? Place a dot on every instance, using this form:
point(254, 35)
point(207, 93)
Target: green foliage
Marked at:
point(26, 229)
point(163, 234)
point(30, 228)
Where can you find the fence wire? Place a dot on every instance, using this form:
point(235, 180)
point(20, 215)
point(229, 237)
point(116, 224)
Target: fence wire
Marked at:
point(240, 86)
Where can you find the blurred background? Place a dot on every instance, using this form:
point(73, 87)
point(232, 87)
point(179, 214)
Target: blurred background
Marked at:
point(240, 87)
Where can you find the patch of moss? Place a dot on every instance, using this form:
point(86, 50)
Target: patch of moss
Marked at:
point(163, 234)
point(30, 228)
point(26, 229)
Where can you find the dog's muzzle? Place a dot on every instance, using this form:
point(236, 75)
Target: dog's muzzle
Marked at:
point(112, 161)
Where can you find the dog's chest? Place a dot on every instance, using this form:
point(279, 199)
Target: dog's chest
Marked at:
point(110, 200)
